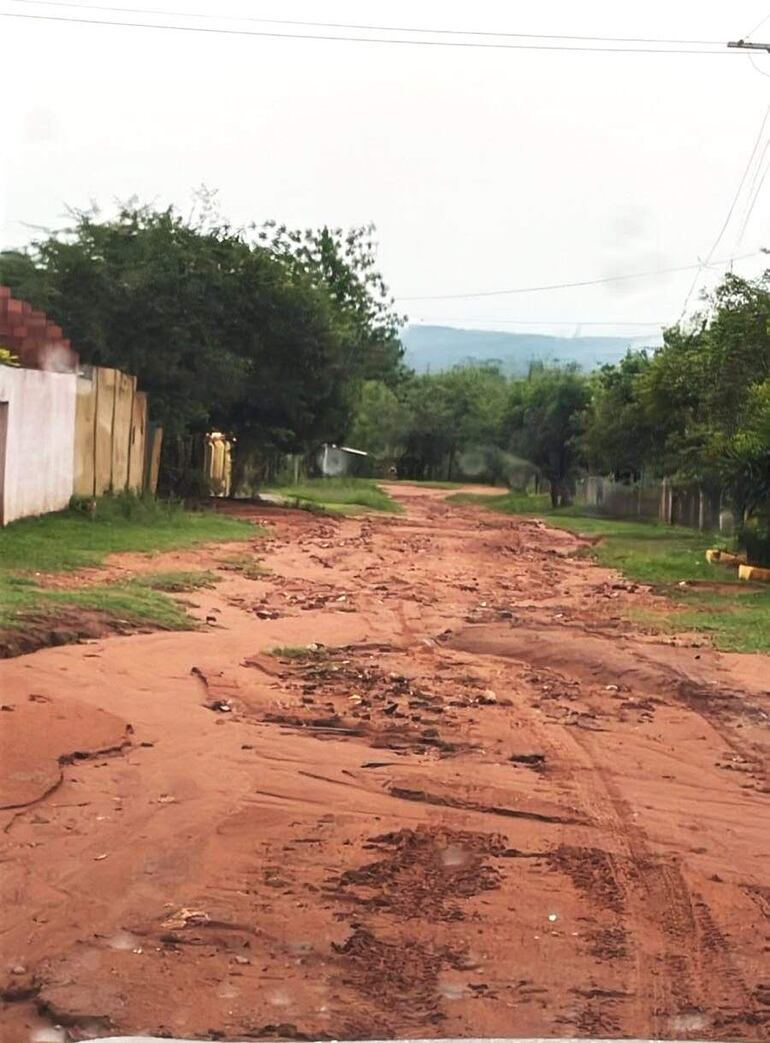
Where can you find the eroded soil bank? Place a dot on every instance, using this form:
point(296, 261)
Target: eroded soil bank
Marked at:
point(482, 805)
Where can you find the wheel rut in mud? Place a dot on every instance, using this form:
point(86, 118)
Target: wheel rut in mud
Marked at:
point(463, 796)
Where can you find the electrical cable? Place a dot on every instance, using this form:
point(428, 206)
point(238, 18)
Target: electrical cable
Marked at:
point(565, 285)
point(466, 44)
point(751, 206)
point(367, 28)
point(730, 211)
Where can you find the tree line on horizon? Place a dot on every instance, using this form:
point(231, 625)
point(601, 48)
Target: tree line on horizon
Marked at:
point(285, 339)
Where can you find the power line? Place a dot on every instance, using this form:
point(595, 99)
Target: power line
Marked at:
point(370, 28)
point(730, 211)
point(741, 183)
point(467, 44)
point(538, 322)
point(760, 168)
point(752, 204)
point(566, 285)
point(758, 26)
point(761, 71)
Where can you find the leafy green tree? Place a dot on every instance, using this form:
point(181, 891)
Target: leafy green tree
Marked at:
point(543, 421)
point(344, 263)
point(219, 331)
point(744, 461)
point(699, 388)
point(620, 436)
point(382, 421)
point(452, 411)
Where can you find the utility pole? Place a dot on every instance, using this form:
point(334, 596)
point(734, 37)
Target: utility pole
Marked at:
point(745, 45)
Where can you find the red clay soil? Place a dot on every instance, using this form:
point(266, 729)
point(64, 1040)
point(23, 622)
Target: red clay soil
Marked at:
point(482, 804)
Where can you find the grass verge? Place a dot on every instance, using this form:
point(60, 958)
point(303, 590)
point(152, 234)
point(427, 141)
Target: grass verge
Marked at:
point(179, 581)
point(429, 484)
point(735, 615)
point(247, 565)
point(506, 503)
point(342, 495)
point(74, 539)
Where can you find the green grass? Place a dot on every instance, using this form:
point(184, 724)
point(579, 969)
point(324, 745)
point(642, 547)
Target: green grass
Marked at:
point(72, 539)
point(246, 564)
point(178, 581)
point(298, 652)
point(430, 484)
point(130, 601)
point(736, 616)
point(342, 495)
point(75, 539)
point(506, 503)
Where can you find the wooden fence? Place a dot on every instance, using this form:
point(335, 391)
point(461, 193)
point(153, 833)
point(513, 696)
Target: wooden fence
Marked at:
point(115, 448)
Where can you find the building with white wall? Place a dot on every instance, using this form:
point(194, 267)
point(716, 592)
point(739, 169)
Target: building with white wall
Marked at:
point(37, 424)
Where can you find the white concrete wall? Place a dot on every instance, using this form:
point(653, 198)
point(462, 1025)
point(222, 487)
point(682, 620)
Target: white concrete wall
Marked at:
point(39, 452)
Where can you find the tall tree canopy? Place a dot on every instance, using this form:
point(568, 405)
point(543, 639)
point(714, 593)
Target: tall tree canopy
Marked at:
point(344, 264)
point(267, 341)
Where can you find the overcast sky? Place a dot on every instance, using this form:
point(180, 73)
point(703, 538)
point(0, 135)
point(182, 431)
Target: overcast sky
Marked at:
point(483, 169)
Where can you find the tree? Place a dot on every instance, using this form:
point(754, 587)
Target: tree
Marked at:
point(699, 390)
point(451, 411)
point(620, 436)
point(744, 462)
point(344, 263)
point(220, 332)
point(382, 421)
point(543, 421)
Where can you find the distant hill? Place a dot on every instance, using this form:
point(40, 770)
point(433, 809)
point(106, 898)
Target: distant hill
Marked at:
point(440, 347)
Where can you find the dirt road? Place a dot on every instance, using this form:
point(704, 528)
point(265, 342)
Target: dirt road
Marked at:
point(484, 806)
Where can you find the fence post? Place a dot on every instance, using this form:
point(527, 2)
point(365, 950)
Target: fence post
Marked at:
point(666, 502)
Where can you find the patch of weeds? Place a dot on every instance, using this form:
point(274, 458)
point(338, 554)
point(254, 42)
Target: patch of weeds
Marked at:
point(73, 539)
point(505, 503)
point(430, 484)
point(84, 535)
point(299, 652)
point(339, 495)
point(125, 601)
point(672, 560)
point(177, 582)
point(733, 625)
point(246, 565)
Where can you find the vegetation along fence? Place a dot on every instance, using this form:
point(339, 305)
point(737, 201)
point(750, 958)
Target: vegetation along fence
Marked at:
point(676, 504)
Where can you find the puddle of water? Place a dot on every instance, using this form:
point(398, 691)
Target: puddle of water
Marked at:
point(124, 941)
point(48, 1035)
point(689, 1022)
point(454, 856)
point(453, 991)
point(301, 948)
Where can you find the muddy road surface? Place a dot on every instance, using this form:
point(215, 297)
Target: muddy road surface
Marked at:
point(481, 803)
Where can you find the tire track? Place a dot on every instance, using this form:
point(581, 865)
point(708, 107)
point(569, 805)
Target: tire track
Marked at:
point(699, 978)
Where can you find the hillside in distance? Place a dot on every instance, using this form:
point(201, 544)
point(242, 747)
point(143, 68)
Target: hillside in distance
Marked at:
point(436, 348)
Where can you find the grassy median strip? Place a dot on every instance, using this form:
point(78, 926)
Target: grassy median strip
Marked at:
point(81, 538)
point(707, 598)
point(340, 495)
point(505, 503)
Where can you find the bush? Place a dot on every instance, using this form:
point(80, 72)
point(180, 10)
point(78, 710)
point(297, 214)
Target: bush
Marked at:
point(756, 543)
